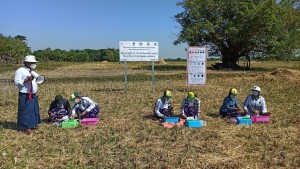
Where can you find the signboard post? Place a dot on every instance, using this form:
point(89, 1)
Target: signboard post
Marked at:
point(196, 66)
point(153, 81)
point(125, 74)
point(138, 51)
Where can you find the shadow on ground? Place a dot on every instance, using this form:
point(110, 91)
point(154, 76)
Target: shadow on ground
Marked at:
point(164, 67)
point(107, 90)
point(13, 125)
point(213, 115)
point(8, 125)
point(151, 117)
point(242, 68)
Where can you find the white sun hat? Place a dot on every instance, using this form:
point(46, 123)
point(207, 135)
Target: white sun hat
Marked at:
point(30, 58)
point(256, 88)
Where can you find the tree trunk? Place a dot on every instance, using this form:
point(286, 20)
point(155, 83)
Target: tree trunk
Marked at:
point(230, 56)
point(229, 59)
point(247, 62)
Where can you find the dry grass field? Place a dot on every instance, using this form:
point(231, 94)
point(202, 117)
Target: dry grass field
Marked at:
point(128, 137)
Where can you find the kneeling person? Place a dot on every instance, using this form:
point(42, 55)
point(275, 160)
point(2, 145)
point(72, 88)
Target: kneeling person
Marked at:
point(163, 107)
point(84, 107)
point(230, 106)
point(190, 106)
point(255, 104)
point(59, 110)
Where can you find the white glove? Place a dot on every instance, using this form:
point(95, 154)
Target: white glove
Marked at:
point(247, 116)
point(190, 118)
point(65, 118)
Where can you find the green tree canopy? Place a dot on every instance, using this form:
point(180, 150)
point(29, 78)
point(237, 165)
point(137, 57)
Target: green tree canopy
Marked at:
point(22, 38)
point(239, 28)
point(86, 55)
point(110, 55)
point(13, 49)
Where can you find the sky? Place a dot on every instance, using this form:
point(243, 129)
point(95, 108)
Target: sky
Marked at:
point(93, 24)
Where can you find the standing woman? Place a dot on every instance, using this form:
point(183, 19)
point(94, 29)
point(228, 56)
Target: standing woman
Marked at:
point(28, 106)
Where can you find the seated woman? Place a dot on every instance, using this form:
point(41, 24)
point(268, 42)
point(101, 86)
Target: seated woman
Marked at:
point(255, 104)
point(190, 106)
point(230, 106)
point(163, 107)
point(84, 107)
point(59, 110)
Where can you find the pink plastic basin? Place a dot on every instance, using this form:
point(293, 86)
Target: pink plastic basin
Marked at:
point(260, 119)
point(90, 121)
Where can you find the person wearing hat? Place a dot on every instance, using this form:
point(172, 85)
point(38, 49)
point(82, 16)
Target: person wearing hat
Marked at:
point(190, 106)
point(230, 106)
point(59, 110)
point(255, 104)
point(28, 106)
point(84, 107)
point(163, 107)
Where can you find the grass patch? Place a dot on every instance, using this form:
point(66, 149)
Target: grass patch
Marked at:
point(128, 137)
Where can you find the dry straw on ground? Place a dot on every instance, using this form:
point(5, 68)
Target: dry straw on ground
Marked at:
point(128, 137)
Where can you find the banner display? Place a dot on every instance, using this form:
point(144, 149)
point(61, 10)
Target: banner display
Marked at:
point(138, 51)
point(196, 65)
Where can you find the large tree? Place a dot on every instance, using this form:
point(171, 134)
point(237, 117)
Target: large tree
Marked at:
point(13, 49)
point(238, 28)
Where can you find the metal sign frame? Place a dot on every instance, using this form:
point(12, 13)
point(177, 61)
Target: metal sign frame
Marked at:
point(138, 51)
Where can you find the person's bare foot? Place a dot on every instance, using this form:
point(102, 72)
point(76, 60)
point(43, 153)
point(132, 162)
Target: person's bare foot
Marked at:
point(34, 128)
point(28, 131)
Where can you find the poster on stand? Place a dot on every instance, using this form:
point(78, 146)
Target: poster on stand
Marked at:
point(196, 65)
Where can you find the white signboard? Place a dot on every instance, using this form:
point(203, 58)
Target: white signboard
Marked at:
point(138, 51)
point(196, 65)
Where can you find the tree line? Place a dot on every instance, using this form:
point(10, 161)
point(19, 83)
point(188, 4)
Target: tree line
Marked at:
point(13, 50)
point(86, 55)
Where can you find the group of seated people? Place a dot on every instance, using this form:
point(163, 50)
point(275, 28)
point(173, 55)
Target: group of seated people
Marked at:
point(190, 106)
point(254, 105)
point(60, 109)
